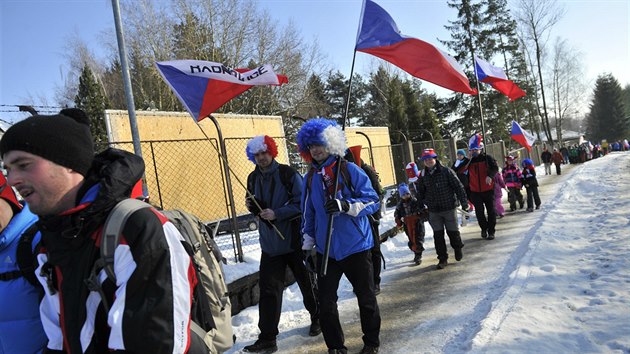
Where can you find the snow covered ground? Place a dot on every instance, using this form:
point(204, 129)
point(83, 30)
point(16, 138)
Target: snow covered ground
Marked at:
point(565, 287)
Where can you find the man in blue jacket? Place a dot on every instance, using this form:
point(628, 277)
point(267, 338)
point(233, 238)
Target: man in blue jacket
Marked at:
point(321, 142)
point(21, 329)
point(277, 190)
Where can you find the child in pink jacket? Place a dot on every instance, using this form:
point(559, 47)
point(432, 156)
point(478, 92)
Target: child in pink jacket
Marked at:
point(499, 184)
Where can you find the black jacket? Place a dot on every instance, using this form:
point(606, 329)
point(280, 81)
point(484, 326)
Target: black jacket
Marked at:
point(440, 190)
point(152, 271)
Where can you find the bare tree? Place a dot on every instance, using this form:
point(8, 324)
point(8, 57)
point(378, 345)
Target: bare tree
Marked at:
point(567, 84)
point(536, 19)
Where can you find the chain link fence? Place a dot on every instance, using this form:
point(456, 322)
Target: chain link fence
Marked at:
point(189, 175)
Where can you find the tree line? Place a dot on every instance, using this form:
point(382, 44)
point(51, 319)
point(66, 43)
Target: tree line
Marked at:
point(239, 34)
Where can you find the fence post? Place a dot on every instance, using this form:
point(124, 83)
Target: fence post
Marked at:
point(452, 142)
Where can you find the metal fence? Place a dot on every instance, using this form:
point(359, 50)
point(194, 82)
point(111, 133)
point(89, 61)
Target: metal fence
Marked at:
point(189, 174)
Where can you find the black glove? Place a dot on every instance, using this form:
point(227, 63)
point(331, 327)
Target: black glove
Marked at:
point(336, 206)
point(465, 207)
point(309, 260)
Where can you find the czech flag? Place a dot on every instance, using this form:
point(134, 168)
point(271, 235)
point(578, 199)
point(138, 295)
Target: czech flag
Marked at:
point(204, 86)
point(522, 136)
point(495, 77)
point(379, 35)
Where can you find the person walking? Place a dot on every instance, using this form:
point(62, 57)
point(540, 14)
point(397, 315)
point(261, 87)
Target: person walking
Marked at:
point(440, 189)
point(545, 157)
point(50, 161)
point(21, 329)
point(531, 184)
point(410, 215)
point(481, 171)
point(513, 177)
point(277, 189)
point(321, 142)
point(558, 160)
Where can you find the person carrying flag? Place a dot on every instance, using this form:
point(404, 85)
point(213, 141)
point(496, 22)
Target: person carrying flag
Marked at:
point(322, 142)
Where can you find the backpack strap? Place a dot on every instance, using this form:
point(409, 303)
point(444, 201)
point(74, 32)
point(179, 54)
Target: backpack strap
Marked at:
point(110, 238)
point(25, 258)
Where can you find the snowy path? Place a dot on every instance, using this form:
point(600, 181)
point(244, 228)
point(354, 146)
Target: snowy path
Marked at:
point(556, 280)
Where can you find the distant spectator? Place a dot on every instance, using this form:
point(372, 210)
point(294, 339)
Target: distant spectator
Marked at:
point(499, 185)
point(460, 166)
point(410, 215)
point(565, 154)
point(546, 159)
point(557, 159)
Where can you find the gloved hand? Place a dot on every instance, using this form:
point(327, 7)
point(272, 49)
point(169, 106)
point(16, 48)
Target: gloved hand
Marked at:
point(465, 207)
point(309, 260)
point(336, 206)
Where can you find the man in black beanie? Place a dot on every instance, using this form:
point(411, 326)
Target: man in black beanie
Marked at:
point(50, 161)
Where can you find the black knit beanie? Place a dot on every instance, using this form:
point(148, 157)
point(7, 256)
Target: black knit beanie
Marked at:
point(64, 139)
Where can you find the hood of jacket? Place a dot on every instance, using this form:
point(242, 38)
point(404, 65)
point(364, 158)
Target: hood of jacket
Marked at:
point(110, 179)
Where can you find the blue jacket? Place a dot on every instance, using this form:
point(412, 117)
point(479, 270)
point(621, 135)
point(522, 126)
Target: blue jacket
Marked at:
point(21, 329)
point(285, 204)
point(351, 230)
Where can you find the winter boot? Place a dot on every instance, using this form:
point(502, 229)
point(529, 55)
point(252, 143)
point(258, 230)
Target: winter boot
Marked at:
point(484, 233)
point(315, 328)
point(262, 346)
point(417, 258)
point(369, 350)
point(490, 236)
point(443, 263)
point(458, 254)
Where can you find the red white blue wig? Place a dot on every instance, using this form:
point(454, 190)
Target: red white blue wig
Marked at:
point(259, 144)
point(321, 131)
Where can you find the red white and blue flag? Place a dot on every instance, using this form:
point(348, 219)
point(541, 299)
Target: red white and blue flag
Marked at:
point(495, 77)
point(205, 86)
point(522, 136)
point(379, 35)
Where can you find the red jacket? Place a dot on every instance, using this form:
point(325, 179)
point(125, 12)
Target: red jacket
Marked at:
point(557, 158)
point(480, 167)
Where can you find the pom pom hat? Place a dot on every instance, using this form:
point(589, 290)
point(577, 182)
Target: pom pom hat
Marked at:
point(64, 139)
point(321, 131)
point(261, 143)
point(428, 153)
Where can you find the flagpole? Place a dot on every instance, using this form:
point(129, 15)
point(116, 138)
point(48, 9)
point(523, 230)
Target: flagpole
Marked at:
point(329, 227)
point(229, 169)
point(483, 126)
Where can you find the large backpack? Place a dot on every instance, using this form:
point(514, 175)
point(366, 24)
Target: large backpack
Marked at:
point(211, 313)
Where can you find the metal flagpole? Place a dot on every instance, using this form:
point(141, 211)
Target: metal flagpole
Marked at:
point(336, 174)
point(483, 126)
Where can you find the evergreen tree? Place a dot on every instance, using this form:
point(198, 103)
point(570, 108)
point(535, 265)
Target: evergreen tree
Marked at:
point(376, 106)
point(607, 118)
point(396, 115)
point(90, 98)
point(336, 94)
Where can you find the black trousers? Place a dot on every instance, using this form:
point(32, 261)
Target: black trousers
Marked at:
point(532, 196)
point(479, 200)
point(558, 168)
point(271, 283)
point(515, 195)
point(358, 270)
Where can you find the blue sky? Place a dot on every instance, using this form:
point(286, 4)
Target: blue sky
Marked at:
point(33, 35)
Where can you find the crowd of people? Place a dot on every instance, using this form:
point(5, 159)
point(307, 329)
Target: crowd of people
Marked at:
point(321, 226)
